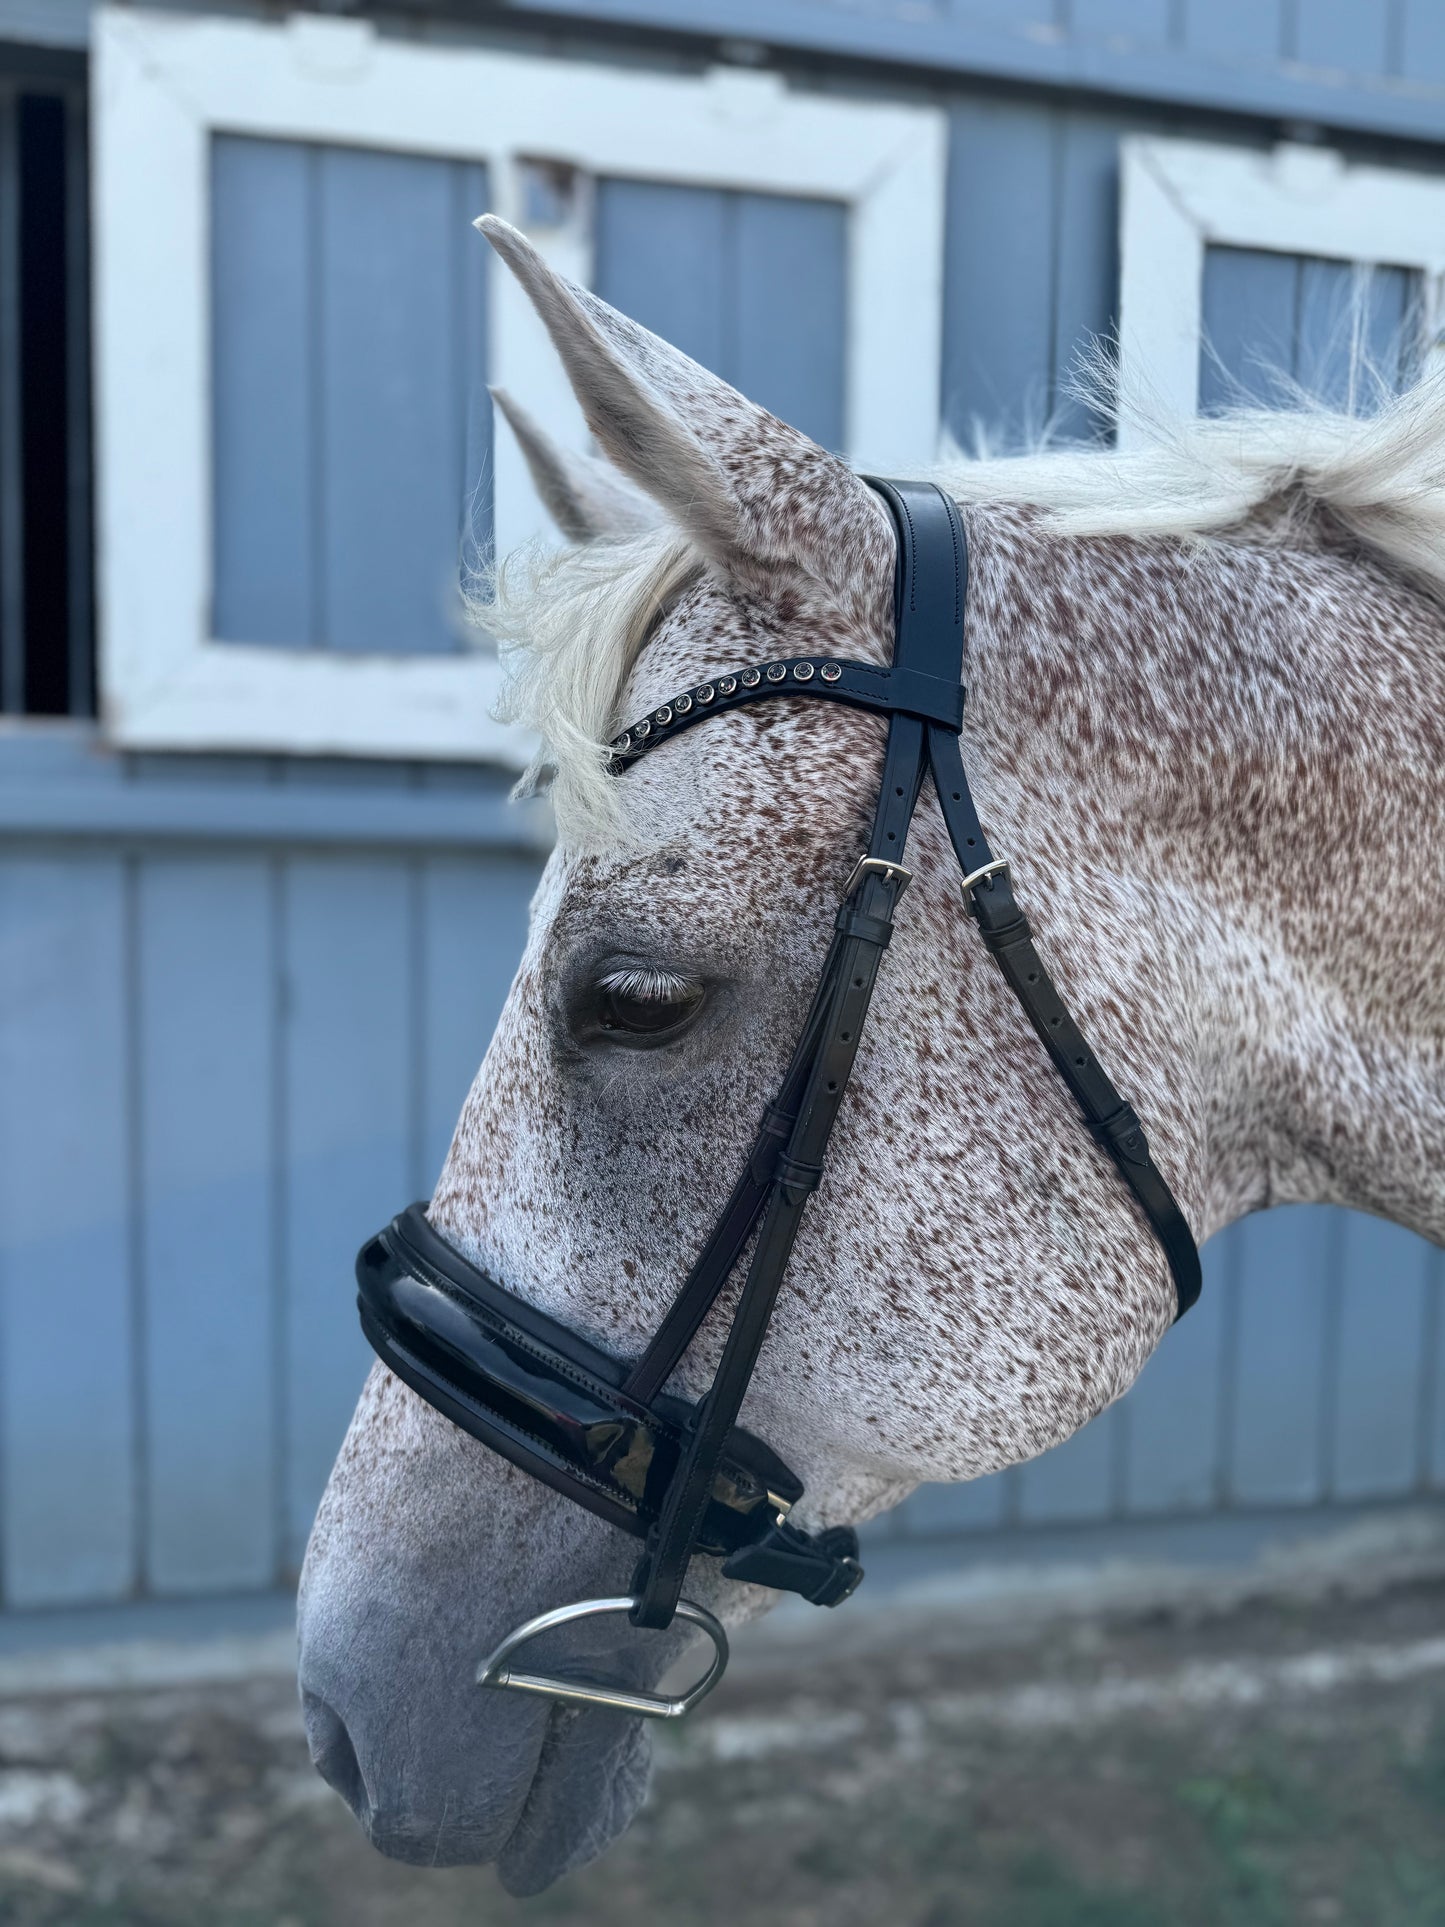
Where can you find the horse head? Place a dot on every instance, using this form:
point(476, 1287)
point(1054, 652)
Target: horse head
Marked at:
point(972, 1283)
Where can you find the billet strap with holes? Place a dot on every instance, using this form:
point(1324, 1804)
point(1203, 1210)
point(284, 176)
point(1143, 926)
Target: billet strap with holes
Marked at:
point(922, 695)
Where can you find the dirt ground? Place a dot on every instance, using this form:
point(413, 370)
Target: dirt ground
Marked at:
point(1266, 1765)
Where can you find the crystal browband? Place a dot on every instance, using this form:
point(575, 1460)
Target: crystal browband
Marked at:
point(886, 690)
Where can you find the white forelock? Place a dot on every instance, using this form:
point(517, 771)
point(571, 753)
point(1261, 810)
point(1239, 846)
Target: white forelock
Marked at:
point(569, 623)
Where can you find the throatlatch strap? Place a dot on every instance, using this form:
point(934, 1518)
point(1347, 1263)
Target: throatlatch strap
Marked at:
point(1005, 929)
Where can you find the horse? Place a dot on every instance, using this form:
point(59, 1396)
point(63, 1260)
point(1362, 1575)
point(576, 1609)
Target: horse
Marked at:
point(1205, 719)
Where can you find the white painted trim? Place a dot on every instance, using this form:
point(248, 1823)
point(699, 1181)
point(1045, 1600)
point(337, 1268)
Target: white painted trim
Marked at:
point(1179, 197)
point(164, 82)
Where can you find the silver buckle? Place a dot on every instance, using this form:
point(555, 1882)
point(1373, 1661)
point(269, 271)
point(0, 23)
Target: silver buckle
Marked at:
point(993, 869)
point(877, 866)
point(494, 1670)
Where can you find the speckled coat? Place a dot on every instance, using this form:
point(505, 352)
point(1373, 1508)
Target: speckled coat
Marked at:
point(1219, 772)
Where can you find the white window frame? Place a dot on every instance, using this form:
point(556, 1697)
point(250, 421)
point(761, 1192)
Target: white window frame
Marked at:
point(165, 82)
point(1179, 197)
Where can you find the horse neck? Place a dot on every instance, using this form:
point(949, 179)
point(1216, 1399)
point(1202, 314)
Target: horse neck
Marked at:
point(1257, 736)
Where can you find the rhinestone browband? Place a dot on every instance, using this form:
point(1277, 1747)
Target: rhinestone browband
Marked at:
point(725, 692)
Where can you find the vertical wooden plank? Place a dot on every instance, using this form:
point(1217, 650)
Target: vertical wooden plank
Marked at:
point(1173, 1444)
point(1289, 1259)
point(1350, 36)
point(1249, 314)
point(790, 351)
point(703, 268)
point(660, 258)
point(1075, 1480)
point(262, 395)
point(1324, 327)
point(474, 928)
point(79, 531)
point(1422, 41)
point(67, 1359)
point(347, 1101)
point(1391, 325)
point(1146, 22)
point(1086, 296)
point(206, 968)
point(1433, 1440)
point(1344, 313)
point(472, 358)
point(44, 366)
point(12, 452)
point(998, 327)
point(1382, 1380)
point(386, 254)
point(1239, 30)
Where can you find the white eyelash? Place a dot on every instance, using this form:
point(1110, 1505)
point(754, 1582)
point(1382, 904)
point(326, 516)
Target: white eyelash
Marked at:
point(649, 985)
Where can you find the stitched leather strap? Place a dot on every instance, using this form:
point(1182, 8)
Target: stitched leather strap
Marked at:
point(928, 640)
point(861, 685)
point(1005, 930)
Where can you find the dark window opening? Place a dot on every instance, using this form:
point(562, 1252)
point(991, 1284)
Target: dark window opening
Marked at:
point(46, 616)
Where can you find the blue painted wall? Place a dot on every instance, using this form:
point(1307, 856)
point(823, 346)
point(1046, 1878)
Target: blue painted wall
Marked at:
point(704, 269)
point(1359, 66)
point(241, 999)
point(222, 1063)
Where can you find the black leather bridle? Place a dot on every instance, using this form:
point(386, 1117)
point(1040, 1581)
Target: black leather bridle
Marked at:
point(686, 1477)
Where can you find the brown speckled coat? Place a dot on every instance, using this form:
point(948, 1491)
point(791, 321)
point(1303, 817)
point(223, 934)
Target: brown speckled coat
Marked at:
point(1219, 772)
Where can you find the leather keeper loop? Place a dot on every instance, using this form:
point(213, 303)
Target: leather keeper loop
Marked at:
point(774, 1131)
point(1123, 1134)
point(857, 923)
point(1012, 925)
point(796, 1177)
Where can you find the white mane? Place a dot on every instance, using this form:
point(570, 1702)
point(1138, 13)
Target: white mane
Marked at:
point(571, 621)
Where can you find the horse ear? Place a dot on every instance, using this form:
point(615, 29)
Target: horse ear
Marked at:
point(750, 490)
point(585, 498)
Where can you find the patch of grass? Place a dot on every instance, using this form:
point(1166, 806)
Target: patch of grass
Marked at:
point(1425, 1777)
point(1242, 1813)
point(1042, 1892)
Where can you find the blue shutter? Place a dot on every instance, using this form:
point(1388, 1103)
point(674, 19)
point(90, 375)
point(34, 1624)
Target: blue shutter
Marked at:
point(352, 429)
point(1271, 320)
point(754, 286)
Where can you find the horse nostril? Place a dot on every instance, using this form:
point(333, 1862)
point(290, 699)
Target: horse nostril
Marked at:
point(332, 1753)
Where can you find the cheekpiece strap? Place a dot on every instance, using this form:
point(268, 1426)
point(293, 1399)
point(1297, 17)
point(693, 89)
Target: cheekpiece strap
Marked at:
point(928, 655)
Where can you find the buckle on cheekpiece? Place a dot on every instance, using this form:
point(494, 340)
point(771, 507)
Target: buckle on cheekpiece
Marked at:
point(877, 866)
point(981, 874)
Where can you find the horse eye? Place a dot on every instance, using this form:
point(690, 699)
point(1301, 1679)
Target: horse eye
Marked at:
point(651, 1004)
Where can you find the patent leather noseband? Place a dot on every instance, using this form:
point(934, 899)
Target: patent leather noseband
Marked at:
point(685, 1477)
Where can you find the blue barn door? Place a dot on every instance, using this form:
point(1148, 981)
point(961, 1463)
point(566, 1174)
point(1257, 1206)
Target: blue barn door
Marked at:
point(351, 420)
point(702, 267)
